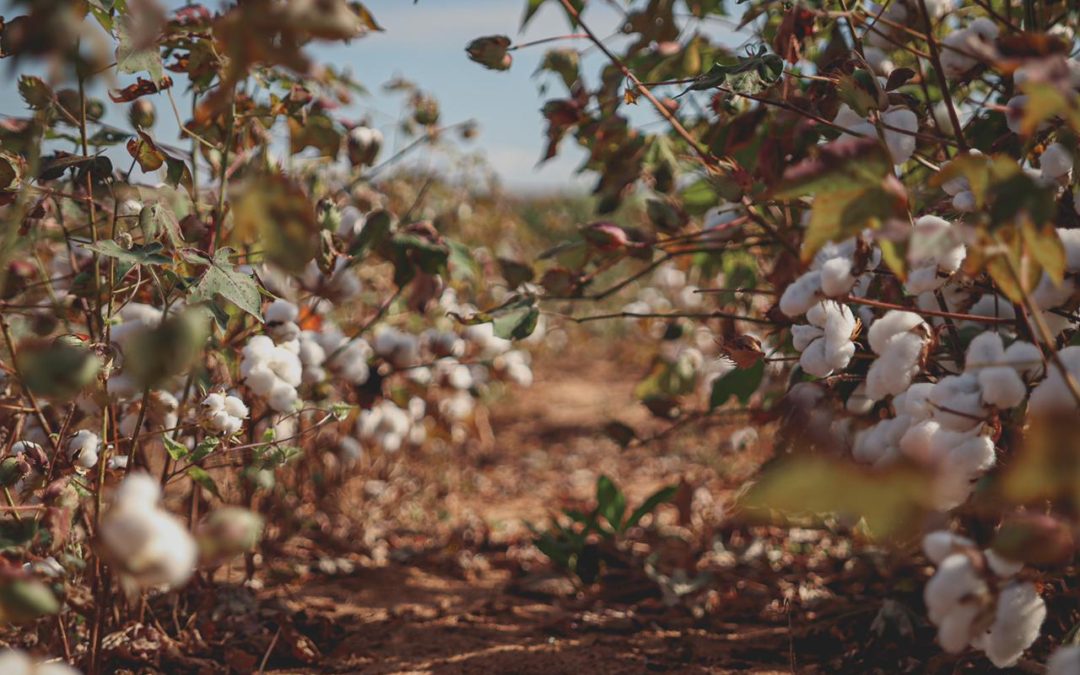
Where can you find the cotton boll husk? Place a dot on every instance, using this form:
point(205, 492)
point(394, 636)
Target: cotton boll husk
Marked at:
point(802, 294)
point(1002, 387)
point(1020, 615)
point(892, 372)
point(1064, 661)
point(942, 543)
point(891, 324)
point(836, 278)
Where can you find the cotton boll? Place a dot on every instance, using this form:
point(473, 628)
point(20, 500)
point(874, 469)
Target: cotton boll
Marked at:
point(893, 323)
point(879, 445)
point(914, 402)
point(954, 597)
point(1000, 566)
point(1070, 240)
point(900, 139)
point(1014, 113)
point(16, 662)
point(150, 546)
point(1049, 295)
point(985, 350)
point(836, 278)
point(1064, 661)
point(892, 372)
point(1019, 616)
point(964, 201)
point(1055, 162)
point(801, 294)
point(957, 401)
point(1025, 358)
point(1002, 387)
point(878, 60)
point(281, 311)
point(283, 397)
point(802, 336)
point(968, 457)
point(814, 360)
point(83, 449)
point(942, 543)
point(858, 403)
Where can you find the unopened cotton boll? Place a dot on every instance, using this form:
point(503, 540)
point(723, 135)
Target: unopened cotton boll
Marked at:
point(1055, 162)
point(149, 546)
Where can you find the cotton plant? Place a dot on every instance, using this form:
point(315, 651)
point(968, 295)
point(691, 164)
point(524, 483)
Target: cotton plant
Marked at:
point(975, 600)
point(149, 546)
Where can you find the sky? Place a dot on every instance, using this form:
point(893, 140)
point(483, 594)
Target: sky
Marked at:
point(425, 43)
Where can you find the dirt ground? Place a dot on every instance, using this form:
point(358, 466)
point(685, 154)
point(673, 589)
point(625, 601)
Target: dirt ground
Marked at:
point(424, 564)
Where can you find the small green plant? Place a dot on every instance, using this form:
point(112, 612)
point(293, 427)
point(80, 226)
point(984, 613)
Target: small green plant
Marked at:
point(590, 541)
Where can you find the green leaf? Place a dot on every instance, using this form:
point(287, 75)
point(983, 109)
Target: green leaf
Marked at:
point(131, 59)
point(177, 451)
point(740, 383)
point(205, 447)
point(661, 496)
point(203, 478)
point(221, 278)
point(150, 254)
point(610, 502)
